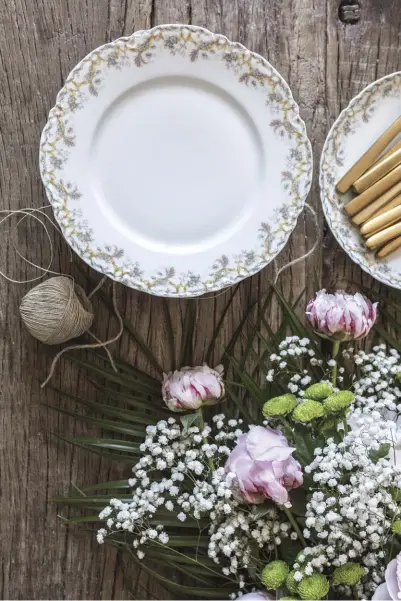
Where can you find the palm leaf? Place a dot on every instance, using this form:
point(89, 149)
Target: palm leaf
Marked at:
point(107, 486)
point(216, 332)
point(97, 451)
point(203, 593)
point(188, 328)
point(106, 373)
point(145, 403)
point(170, 332)
point(112, 426)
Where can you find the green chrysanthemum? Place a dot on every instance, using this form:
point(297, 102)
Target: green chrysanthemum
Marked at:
point(291, 583)
point(274, 574)
point(350, 573)
point(396, 527)
point(313, 587)
point(319, 391)
point(307, 411)
point(280, 405)
point(338, 401)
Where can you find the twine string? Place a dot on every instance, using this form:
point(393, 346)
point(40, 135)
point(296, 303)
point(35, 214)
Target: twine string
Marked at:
point(315, 223)
point(308, 253)
point(74, 315)
point(54, 302)
point(91, 346)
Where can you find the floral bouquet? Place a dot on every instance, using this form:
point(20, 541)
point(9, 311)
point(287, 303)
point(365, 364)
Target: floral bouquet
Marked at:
point(290, 489)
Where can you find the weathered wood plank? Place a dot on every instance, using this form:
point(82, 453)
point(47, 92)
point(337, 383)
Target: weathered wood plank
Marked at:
point(325, 63)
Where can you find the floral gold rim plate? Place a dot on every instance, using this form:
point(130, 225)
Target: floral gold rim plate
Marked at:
point(368, 115)
point(176, 161)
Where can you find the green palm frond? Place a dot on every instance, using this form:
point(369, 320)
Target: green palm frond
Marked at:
point(131, 399)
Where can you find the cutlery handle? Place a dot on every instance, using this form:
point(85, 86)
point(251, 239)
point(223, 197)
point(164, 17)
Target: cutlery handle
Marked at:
point(371, 209)
point(382, 220)
point(389, 247)
point(390, 205)
point(378, 170)
point(393, 148)
point(384, 236)
point(367, 160)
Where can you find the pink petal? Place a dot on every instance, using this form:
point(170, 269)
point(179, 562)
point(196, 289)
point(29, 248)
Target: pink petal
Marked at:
point(391, 580)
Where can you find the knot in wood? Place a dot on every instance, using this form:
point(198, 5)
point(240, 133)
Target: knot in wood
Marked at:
point(349, 12)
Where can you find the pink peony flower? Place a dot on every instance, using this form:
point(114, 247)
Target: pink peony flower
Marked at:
point(341, 316)
point(391, 588)
point(192, 387)
point(263, 466)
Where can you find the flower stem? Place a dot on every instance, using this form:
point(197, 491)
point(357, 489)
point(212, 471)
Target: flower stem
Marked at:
point(294, 524)
point(336, 348)
point(201, 425)
point(286, 427)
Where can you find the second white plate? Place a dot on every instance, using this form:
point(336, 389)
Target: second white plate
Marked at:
point(176, 161)
point(368, 115)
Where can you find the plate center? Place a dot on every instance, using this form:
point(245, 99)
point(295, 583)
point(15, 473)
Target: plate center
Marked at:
point(176, 164)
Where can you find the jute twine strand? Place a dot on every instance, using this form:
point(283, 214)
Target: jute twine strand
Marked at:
point(92, 346)
point(290, 263)
point(309, 252)
point(57, 310)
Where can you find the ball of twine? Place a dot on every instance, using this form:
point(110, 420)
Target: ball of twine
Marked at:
point(56, 311)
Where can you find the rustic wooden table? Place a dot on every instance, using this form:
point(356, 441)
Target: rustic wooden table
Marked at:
point(325, 57)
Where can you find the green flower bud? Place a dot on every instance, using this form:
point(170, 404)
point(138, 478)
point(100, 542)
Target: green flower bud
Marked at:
point(280, 405)
point(291, 583)
point(313, 587)
point(398, 376)
point(338, 401)
point(350, 573)
point(274, 574)
point(307, 411)
point(396, 527)
point(319, 391)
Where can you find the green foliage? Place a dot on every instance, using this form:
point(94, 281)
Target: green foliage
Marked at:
point(188, 420)
point(381, 452)
point(298, 499)
point(396, 527)
point(131, 399)
point(305, 444)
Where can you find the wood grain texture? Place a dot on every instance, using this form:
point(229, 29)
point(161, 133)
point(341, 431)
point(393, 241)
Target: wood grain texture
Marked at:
point(325, 62)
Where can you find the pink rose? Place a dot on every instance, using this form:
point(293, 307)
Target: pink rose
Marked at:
point(341, 316)
point(192, 387)
point(391, 588)
point(263, 466)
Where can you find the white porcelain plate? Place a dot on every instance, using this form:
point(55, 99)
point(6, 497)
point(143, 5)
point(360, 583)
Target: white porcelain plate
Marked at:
point(176, 161)
point(368, 115)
